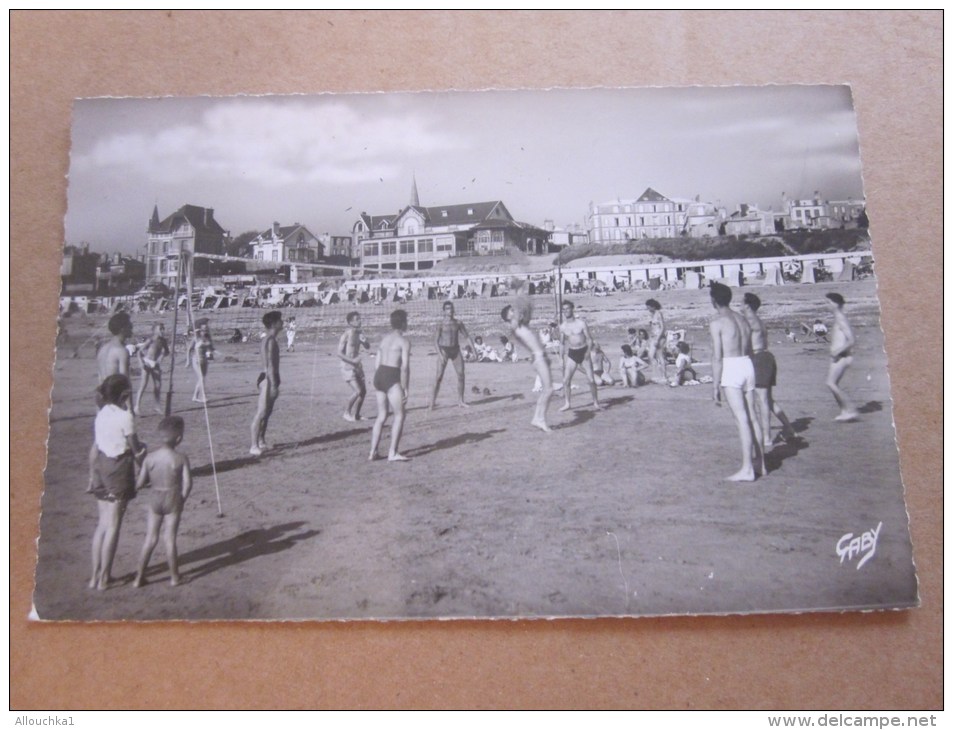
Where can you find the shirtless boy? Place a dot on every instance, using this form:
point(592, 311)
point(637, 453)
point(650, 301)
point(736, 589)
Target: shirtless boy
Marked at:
point(518, 318)
point(576, 345)
point(733, 373)
point(349, 352)
point(268, 382)
point(168, 476)
point(449, 332)
point(842, 340)
point(657, 340)
point(765, 373)
point(150, 358)
point(391, 380)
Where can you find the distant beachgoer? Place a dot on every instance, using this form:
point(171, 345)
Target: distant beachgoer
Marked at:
point(576, 342)
point(450, 331)
point(842, 341)
point(765, 373)
point(150, 359)
point(631, 367)
point(656, 344)
point(269, 381)
point(684, 372)
point(291, 329)
point(349, 352)
point(200, 352)
point(601, 366)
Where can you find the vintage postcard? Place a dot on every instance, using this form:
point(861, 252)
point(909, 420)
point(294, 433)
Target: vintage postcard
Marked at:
point(504, 354)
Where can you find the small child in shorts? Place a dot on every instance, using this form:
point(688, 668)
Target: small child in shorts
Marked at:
point(168, 476)
point(112, 477)
point(684, 372)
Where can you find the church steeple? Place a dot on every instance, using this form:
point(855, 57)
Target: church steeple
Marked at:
point(414, 198)
point(154, 221)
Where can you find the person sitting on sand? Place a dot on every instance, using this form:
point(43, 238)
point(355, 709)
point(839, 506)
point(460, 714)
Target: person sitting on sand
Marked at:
point(509, 350)
point(631, 367)
point(684, 372)
point(168, 476)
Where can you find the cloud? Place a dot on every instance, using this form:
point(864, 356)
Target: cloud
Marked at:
point(276, 144)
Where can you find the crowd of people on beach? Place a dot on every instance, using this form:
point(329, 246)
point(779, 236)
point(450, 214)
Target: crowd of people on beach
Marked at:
point(744, 372)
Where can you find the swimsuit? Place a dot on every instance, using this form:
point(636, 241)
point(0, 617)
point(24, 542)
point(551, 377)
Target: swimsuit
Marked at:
point(352, 372)
point(114, 479)
point(838, 358)
point(451, 352)
point(165, 501)
point(578, 354)
point(151, 365)
point(386, 377)
point(738, 372)
point(765, 369)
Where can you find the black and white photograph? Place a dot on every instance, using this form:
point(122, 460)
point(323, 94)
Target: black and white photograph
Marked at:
point(562, 353)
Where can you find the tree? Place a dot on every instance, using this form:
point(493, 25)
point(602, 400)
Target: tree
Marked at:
point(241, 244)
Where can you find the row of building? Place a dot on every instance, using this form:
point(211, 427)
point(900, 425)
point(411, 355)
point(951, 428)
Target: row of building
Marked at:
point(417, 237)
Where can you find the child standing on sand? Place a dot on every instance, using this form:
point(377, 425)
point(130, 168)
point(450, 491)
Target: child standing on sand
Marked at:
point(169, 476)
point(112, 472)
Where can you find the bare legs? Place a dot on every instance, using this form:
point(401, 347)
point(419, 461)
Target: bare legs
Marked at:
point(836, 372)
point(749, 434)
point(393, 400)
point(170, 527)
point(657, 356)
point(259, 423)
point(105, 539)
point(542, 403)
point(568, 371)
point(353, 410)
point(766, 406)
point(461, 379)
point(201, 368)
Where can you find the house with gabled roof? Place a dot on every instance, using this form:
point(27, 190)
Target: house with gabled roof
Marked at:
point(287, 243)
point(418, 236)
point(191, 228)
point(651, 215)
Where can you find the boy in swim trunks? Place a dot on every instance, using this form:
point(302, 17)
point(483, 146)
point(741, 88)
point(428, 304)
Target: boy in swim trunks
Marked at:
point(765, 373)
point(391, 380)
point(290, 331)
point(269, 380)
point(168, 476)
point(150, 359)
point(518, 318)
point(576, 344)
point(112, 472)
point(113, 357)
point(349, 352)
point(842, 340)
point(449, 332)
point(733, 374)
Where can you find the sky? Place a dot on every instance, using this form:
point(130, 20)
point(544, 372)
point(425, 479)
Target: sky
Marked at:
point(322, 160)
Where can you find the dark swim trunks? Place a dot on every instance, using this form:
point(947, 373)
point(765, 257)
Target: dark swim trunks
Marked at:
point(450, 351)
point(385, 377)
point(114, 480)
point(577, 354)
point(838, 358)
point(765, 369)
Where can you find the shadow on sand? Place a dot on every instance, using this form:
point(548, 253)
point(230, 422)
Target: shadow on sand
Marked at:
point(238, 549)
point(871, 406)
point(453, 441)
